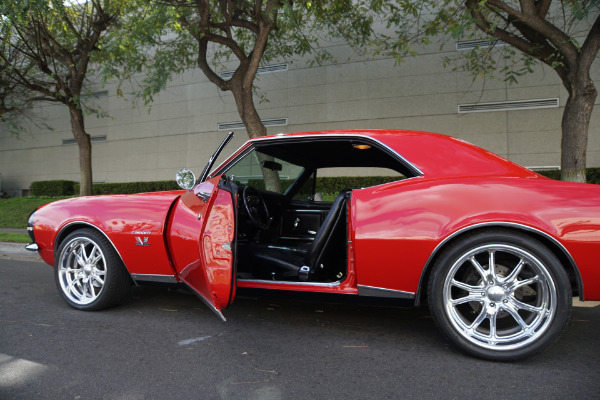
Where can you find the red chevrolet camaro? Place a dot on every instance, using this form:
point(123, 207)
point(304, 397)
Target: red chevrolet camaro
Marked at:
point(496, 250)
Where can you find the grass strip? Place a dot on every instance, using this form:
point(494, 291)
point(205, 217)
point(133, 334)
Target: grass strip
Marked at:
point(14, 237)
point(14, 212)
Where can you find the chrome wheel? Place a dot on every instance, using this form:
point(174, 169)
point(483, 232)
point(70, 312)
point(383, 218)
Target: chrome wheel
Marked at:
point(500, 295)
point(82, 270)
point(89, 273)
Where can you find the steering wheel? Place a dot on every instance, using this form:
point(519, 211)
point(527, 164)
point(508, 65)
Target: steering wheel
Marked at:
point(256, 208)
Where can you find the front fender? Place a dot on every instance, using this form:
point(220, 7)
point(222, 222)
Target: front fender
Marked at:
point(134, 224)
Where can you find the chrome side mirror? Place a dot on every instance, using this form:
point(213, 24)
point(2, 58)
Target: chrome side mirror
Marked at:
point(185, 178)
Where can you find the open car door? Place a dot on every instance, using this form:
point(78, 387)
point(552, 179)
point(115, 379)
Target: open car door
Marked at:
point(202, 241)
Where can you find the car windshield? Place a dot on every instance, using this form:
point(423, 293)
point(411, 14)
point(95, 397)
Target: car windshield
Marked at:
point(262, 171)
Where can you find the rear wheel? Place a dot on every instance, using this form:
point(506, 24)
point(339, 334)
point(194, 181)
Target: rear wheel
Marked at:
point(500, 295)
point(89, 273)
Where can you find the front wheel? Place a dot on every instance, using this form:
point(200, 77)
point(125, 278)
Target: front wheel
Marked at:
point(89, 273)
point(500, 295)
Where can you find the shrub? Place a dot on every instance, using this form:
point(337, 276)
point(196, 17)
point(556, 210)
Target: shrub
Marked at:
point(131, 187)
point(53, 188)
point(593, 175)
point(337, 184)
point(325, 185)
point(550, 173)
point(333, 184)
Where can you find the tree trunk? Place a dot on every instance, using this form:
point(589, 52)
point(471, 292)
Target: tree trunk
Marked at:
point(575, 125)
point(244, 101)
point(85, 150)
point(245, 105)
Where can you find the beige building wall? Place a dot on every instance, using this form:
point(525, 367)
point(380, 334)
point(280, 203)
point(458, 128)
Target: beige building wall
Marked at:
point(180, 128)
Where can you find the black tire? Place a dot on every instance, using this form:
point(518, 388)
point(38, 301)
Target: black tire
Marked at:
point(516, 311)
point(89, 274)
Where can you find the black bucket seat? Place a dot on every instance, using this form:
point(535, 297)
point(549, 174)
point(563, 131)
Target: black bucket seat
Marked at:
point(280, 263)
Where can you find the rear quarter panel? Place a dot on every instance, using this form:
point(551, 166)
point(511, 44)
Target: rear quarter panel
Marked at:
point(397, 226)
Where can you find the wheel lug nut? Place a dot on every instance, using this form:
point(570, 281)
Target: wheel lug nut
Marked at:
point(492, 304)
point(505, 301)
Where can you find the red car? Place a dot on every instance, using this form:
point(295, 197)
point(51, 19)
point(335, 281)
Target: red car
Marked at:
point(496, 250)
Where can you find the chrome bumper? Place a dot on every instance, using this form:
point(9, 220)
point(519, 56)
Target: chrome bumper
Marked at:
point(32, 247)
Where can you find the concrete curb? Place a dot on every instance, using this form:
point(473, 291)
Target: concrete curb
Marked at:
point(17, 251)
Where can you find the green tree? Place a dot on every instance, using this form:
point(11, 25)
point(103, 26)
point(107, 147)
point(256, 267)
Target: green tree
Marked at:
point(15, 105)
point(208, 34)
point(564, 35)
point(49, 48)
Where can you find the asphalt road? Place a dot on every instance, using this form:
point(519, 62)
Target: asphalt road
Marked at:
point(168, 345)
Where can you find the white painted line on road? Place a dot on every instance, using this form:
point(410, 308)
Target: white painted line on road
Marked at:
point(190, 341)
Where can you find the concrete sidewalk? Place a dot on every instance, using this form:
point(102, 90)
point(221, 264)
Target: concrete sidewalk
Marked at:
point(17, 251)
point(11, 230)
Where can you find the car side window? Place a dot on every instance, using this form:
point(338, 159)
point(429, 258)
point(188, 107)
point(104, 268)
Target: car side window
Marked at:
point(330, 181)
point(307, 190)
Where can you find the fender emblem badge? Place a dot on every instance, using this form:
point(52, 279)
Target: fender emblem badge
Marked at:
point(142, 242)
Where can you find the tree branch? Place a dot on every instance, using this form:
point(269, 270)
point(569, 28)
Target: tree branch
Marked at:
point(590, 47)
point(543, 6)
point(557, 37)
point(208, 71)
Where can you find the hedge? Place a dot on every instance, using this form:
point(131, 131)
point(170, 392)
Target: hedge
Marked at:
point(332, 184)
point(324, 184)
point(552, 174)
point(337, 184)
point(53, 188)
point(131, 187)
point(593, 175)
